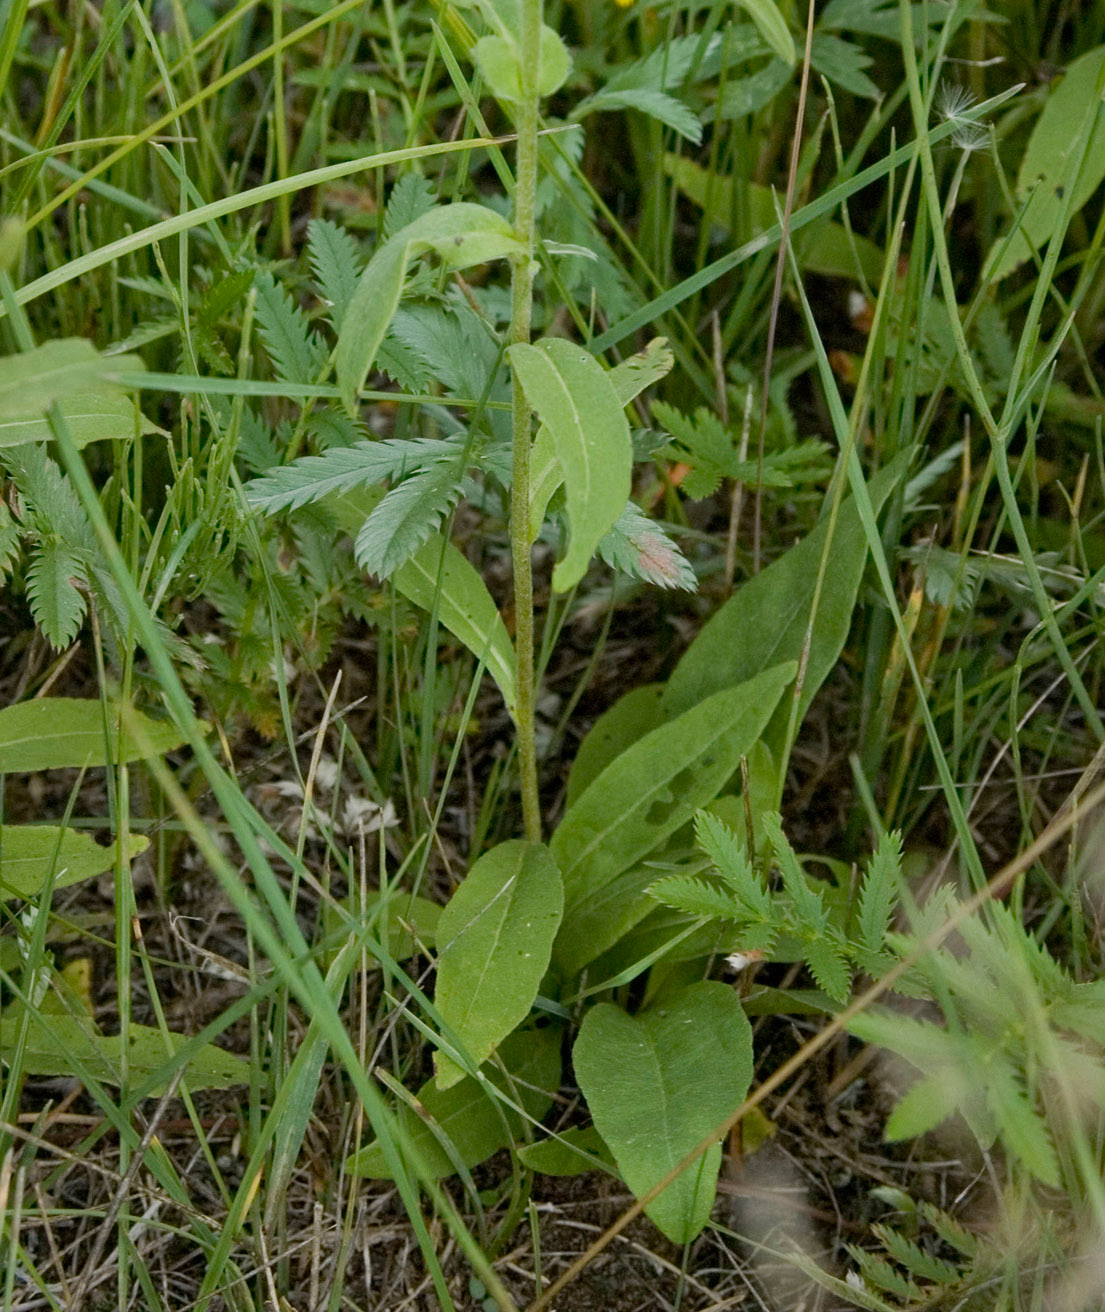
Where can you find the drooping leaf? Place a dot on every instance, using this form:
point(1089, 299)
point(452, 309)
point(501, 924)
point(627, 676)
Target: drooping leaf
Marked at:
point(576, 401)
point(494, 942)
point(462, 234)
point(31, 382)
point(630, 378)
point(466, 1116)
point(642, 797)
point(437, 573)
point(56, 1042)
point(29, 852)
point(50, 733)
point(657, 1084)
point(310, 478)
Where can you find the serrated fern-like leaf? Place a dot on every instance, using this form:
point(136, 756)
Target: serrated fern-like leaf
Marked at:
point(336, 264)
point(638, 546)
point(877, 1271)
point(880, 892)
point(407, 516)
point(696, 897)
point(825, 958)
point(913, 1257)
point(9, 539)
point(720, 844)
point(54, 507)
point(57, 602)
point(808, 905)
point(295, 351)
point(411, 197)
point(949, 1230)
point(341, 468)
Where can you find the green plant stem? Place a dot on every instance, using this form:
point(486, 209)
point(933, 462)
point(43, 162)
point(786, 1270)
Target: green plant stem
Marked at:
point(525, 204)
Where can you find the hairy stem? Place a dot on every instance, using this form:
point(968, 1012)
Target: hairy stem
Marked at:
point(525, 199)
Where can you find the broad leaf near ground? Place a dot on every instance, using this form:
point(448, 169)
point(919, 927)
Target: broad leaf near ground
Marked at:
point(494, 942)
point(51, 733)
point(462, 234)
point(639, 800)
point(1059, 131)
point(768, 618)
point(438, 574)
point(94, 414)
point(33, 381)
point(55, 1043)
point(575, 1151)
point(579, 405)
point(467, 1116)
point(657, 1084)
point(628, 720)
point(28, 853)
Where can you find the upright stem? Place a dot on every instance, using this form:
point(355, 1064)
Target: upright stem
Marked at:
point(525, 199)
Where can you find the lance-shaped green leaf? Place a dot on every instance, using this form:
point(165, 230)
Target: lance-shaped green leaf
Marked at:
point(438, 574)
point(50, 733)
point(630, 378)
point(494, 942)
point(94, 414)
point(462, 234)
point(466, 1123)
point(33, 381)
point(639, 800)
point(29, 853)
point(579, 405)
point(657, 1084)
point(55, 1043)
point(768, 618)
point(1071, 110)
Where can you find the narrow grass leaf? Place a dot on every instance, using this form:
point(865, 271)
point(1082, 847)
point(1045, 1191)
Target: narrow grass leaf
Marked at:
point(657, 1084)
